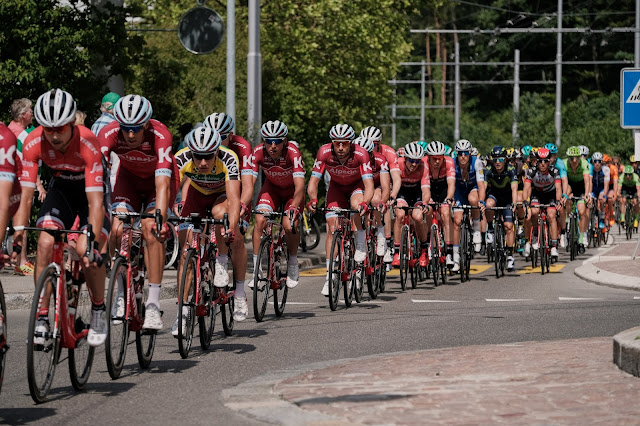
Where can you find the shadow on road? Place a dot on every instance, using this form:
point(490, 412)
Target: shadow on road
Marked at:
point(364, 397)
point(22, 416)
point(238, 348)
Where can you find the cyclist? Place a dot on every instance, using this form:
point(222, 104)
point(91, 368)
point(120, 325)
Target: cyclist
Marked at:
point(629, 186)
point(351, 185)
point(600, 183)
point(413, 192)
point(470, 189)
point(613, 187)
point(442, 178)
point(634, 163)
point(382, 185)
point(224, 124)
point(579, 175)
point(542, 186)
point(212, 177)
point(562, 169)
point(147, 177)
point(283, 168)
point(502, 191)
point(76, 189)
point(374, 134)
point(10, 172)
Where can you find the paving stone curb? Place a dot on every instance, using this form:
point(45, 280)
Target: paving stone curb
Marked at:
point(591, 273)
point(626, 351)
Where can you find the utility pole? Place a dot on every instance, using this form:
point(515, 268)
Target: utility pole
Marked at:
point(456, 94)
point(231, 60)
point(516, 95)
point(422, 99)
point(558, 115)
point(254, 78)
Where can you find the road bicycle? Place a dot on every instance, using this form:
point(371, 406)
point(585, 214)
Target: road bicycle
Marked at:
point(67, 312)
point(595, 235)
point(342, 265)
point(374, 267)
point(171, 247)
point(437, 267)
point(629, 217)
point(543, 253)
point(309, 232)
point(496, 250)
point(573, 229)
point(125, 295)
point(409, 250)
point(466, 245)
point(197, 291)
point(270, 273)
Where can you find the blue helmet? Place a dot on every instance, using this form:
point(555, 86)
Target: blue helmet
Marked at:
point(553, 149)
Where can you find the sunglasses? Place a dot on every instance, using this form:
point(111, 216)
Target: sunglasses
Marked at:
point(499, 160)
point(544, 160)
point(437, 157)
point(341, 142)
point(199, 157)
point(224, 136)
point(413, 161)
point(58, 129)
point(272, 141)
point(596, 161)
point(134, 129)
point(464, 153)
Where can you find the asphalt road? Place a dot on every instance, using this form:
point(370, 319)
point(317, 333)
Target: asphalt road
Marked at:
point(518, 307)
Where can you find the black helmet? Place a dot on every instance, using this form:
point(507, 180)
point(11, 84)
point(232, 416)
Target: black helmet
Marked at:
point(498, 151)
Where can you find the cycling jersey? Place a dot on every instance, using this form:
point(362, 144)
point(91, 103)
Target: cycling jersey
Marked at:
point(499, 184)
point(243, 150)
point(627, 182)
point(418, 178)
point(280, 171)
point(465, 182)
point(380, 165)
point(225, 168)
point(355, 168)
point(152, 158)
point(10, 166)
point(581, 171)
point(542, 182)
point(613, 173)
point(599, 179)
point(390, 155)
point(561, 168)
point(81, 161)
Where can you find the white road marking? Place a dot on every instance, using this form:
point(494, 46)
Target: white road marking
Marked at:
point(636, 297)
point(507, 300)
point(297, 303)
point(579, 298)
point(434, 301)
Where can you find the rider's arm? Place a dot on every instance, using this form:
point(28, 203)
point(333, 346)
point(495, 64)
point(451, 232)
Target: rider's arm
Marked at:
point(298, 194)
point(369, 190)
point(6, 187)
point(526, 190)
point(607, 179)
point(233, 195)
point(482, 188)
point(558, 190)
point(385, 185)
point(312, 188)
point(162, 194)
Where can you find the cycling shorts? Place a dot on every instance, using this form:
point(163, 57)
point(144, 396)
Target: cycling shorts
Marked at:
point(501, 202)
point(577, 188)
point(271, 197)
point(409, 196)
point(14, 198)
point(439, 191)
point(64, 201)
point(197, 202)
point(629, 190)
point(132, 192)
point(538, 198)
point(340, 195)
point(461, 195)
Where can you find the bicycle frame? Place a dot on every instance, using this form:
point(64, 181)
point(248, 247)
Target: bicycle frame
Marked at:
point(277, 239)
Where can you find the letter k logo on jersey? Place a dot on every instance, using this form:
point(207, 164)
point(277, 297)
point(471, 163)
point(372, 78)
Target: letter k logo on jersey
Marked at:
point(367, 167)
point(297, 162)
point(7, 156)
point(317, 164)
point(164, 154)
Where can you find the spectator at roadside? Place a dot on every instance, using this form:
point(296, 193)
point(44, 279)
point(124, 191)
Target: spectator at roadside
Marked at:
point(80, 117)
point(108, 102)
point(21, 116)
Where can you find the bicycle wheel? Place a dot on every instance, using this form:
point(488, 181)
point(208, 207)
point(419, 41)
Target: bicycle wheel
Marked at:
point(145, 341)
point(404, 256)
point(118, 327)
point(226, 309)
point(413, 270)
point(628, 221)
point(3, 334)
point(43, 349)
point(358, 291)
point(573, 238)
point(281, 267)
point(187, 301)
point(312, 235)
point(350, 267)
point(434, 262)
point(381, 272)
point(497, 247)
point(81, 357)
point(372, 262)
point(207, 321)
point(464, 253)
point(335, 271)
point(171, 247)
point(262, 279)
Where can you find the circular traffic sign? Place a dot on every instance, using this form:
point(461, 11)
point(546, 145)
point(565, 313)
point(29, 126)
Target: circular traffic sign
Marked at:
point(201, 30)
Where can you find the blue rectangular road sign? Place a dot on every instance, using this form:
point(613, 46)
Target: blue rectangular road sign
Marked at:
point(630, 98)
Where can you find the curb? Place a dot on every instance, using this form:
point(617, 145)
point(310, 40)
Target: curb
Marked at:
point(626, 351)
point(591, 273)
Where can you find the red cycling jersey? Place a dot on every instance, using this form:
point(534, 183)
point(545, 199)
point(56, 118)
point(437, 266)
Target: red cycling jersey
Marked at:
point(152, 158)
point(447, 169)
point(356, 168)
point(379, 165)
point(419, 176)
point(281, 171)
point(390, 154)
point(242, 148)
point(81, 159)
point(10, 166)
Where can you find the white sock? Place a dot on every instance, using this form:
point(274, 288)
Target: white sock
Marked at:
point(185, 311)
point(380, 231)
point(293, 259)
point(240, 290)
point(255, 260)
point(456, 250)
point(328, 261)
point(360, 236)
point(154, 295)
point(476, 224)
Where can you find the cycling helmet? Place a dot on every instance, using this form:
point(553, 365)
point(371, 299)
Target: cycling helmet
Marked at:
point(203, 140)
point(632, 158)
point(526, 150)
point(474, 151)
point(423, 144)
point(553, 149)
point(364, 142)
point(511, 152)
point(342, 131)
point(55, 108)
point(447, 150)
point(132, 110)
point(372, 133)
point(498, 152)
point(573, 151)
point(463, 145)
point(628, 169)
point(220, 121)
point(414, 151)
point(597, 156)
point(401, 152)
point(606, 158)
point(543, 153)
point(436, 148)
point(534, 151)
point(583, 150)
point(274, 129)
point(518, 153)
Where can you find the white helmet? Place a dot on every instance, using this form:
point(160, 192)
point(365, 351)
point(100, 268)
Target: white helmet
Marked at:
point(203, 140)
point(414, 151)
point(372, 133)
point(474, 151)
point(55, 108)
point(342, 131)
point(132, 110)
point(583, 150)
point(364, 142)
point(220, 121)
point(463, 145)
point(274, 129)
point(597, 156)
point(435, 148)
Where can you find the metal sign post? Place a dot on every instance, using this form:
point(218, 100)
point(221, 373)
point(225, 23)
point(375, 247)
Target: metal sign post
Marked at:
point(630, 103)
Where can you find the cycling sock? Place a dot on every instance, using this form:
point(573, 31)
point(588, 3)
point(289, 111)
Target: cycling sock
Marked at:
point(360, 236)
point(554, 243)
point(255, 261)
point(328, 261)
point(490, 227)
point(239, 292)
point(389, 241)
point(154, 295)
point(456, 249)
point(293, 259)
point(449, 249)
point(222, 259)
point(509, 251)
point(476, 224)
point(98, 307)
point(43, 312)
point(380, 231)
point(601, 215)
point(563, 231)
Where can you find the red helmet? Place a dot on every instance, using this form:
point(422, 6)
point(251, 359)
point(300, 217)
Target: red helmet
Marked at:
point(543, 153)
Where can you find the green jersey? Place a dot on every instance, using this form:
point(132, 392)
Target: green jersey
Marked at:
point(582, 170)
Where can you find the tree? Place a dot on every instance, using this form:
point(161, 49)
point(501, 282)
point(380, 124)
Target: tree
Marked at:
point(47, 44)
